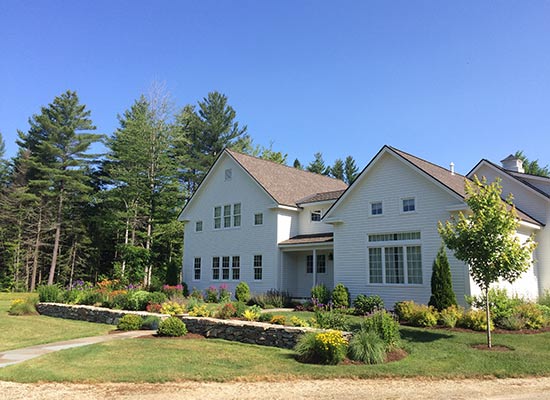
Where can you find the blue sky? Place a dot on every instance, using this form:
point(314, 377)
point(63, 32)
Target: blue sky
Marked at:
point(446, 81)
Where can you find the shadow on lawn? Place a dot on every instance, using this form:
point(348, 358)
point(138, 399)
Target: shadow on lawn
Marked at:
point(421, 336)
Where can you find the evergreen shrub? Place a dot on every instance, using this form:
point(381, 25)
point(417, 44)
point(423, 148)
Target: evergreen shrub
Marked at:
point(172, 326)
point(340, 296)
point(130, 322)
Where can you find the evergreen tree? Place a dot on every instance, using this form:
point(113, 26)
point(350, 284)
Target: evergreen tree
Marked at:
point(337, 170)
point(297, 164)
point(318, 166)
point(350, 170)
point(532, 167)
point(443, 295)
point(58, 143)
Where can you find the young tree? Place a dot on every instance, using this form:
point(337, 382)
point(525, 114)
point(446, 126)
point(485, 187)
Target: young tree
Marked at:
point(486, 240)
point(350, 170)
point(443, 295)
point(532, 167)
point(337, 169)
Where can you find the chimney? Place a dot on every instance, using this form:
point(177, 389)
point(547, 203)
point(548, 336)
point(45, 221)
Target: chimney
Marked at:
point(512, 163)
point(452, 168)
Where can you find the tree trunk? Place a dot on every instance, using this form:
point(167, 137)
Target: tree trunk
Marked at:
point(57, 237)
point(73, 262)
point(36, 251)
point(488, 315)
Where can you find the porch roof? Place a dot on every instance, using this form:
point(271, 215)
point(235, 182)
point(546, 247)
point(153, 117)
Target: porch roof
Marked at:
point(316, 238)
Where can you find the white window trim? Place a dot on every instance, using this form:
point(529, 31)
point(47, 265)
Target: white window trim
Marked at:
point(202, 226)
point(320, 212)
point(395, 243)
point(254, 219)
point(231, 215)
point(254, 267)
point(194, 269)
point(402, 199)
point(370, 209)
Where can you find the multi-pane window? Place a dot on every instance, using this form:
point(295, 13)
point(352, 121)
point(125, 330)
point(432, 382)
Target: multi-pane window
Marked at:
point(197, 269)
point(258, 268)
point(227, 216)
point(258, 219)
point(237, 214)
point(236, 268)
point(393, 262)
point(376, 208)
point(321, 264)
point(215, 268)
point(198, 226)
point(408, 205)
point(316, 215)
point(225, 268)
point(217, 217)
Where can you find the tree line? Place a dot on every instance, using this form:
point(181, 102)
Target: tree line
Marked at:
point(68, 214)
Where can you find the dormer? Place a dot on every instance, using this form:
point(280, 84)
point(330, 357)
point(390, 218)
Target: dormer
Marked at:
point(513, 163)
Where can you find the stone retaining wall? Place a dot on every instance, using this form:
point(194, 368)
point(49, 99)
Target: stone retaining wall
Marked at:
point(235, 330)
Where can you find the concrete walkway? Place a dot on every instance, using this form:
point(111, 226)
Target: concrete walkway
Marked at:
point(19, 355)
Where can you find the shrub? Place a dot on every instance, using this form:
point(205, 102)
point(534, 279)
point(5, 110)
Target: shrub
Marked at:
point(331, 320)
point(129, 322)
point(196, 294)
point(49, 293)
point(295, 321)
point(156, 297)
point(265, 317)
point(199, 310)
point(150, 322)
point(211, 294)
point(171, 308)
point(367, 304)
point(118, 300)
point(172, 326)
point(240, 308)
point(531, 314)
point(449, 316)
point(226, 311)
point(500, 304)
point(254, 313)
point(323, 348)
point(153, 307)
point(242, 292)
point(404, 310)
point(271, 299)
point(513, 323)
point(424, 316)
point(544, 299)
point(384, 325)
point(278, 320)
point(91, 297)
point(138, 299)
point(224, 295)
point(368, 347)
point(475, 320)
point(23, 306)
point(174, 290)
point(443, 295)
point(321, 294)
point(340, 296)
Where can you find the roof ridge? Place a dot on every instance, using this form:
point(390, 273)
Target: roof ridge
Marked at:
point(426, 161)
point(282, 165)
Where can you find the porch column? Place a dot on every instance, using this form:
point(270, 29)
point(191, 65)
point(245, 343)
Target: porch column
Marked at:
point(314, 267)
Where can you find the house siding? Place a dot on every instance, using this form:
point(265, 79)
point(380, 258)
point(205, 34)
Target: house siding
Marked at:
point(307, 226)
point(389, 180)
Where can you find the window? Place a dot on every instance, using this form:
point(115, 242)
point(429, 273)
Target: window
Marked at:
point(309, 264)
point(198, 226)
point(215, 268)
point(231, 216)
point(217, 217)
point(392, 262)
point(258, 219)
point(228, 174)
point(258, 269)
point(376, 208)
point(316, 216)
point(321, 264)
point(237, 214)
point(197, 269)
point(225, 268)
point(408, 205)
point(236, 268)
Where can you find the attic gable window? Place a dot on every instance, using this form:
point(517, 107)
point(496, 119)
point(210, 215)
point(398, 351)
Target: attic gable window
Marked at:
point(316, 216)
point(409, 205)
point(376, 208)
point(227, 216)
point(228, 174)
point(198, 226)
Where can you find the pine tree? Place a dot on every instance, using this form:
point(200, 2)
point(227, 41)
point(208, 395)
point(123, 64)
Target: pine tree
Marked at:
point(443, 295)
point(337, 170)
point(297, 164)
point(532, 167)
point(318, 166)
point(350, 170)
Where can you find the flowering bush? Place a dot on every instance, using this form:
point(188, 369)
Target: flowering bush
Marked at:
point(322, 348)
point(171, 308)
point(295, 321)
point(211, 294)
point(320, 294)
point(175, 290)
point(23, 307)
point(226, 311)
point(224, 295)
point(153, 307)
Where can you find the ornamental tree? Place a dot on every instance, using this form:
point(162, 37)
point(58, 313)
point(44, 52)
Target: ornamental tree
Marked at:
point(443, 295)
point(486, 239)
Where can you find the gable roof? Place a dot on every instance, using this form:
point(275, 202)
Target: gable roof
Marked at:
point(325, 196)
point(518, 176)
point(442, 176)
point(286, 185)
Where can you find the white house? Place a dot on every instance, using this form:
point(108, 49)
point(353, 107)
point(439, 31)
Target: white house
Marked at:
point(278, 227)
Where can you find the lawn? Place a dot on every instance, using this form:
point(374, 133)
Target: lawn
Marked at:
point(432, 353)
point(22, 331)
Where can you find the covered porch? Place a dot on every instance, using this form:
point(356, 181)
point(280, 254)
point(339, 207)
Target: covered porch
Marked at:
point(306, 261)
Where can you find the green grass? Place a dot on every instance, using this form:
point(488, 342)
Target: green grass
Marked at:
point(29, 330)
point(432, 353)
